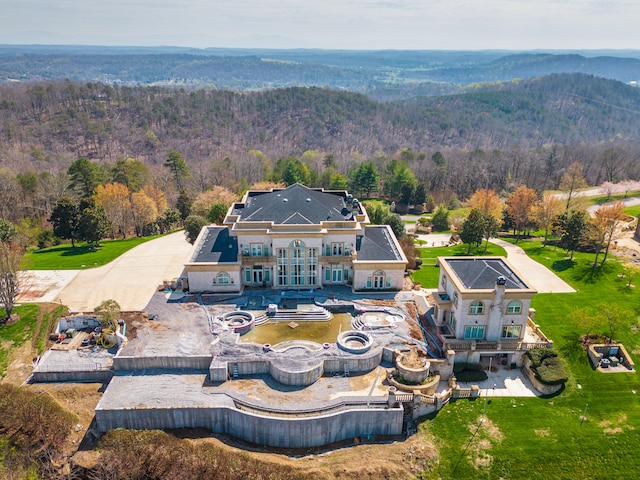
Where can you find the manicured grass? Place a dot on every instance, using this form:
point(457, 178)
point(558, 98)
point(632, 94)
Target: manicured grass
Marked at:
point(427, 275)
point(634, 211)
point(600, 199)
point(541, 438)
point(65, 257)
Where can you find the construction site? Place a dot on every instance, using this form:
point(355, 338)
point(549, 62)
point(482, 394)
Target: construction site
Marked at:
point(292, 369)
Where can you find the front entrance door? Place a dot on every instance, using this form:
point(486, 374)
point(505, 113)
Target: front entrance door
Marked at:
point(257, 275)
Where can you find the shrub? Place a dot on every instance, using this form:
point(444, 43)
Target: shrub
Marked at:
point(546, 366)
point(46, 239)
point(537, 355)
point(152, 454)
point(469, 372)
point(33, 430)
point(551, 371)
point(440, 220)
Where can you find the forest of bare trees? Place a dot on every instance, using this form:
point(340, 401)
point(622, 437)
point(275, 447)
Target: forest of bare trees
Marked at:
point(527, 133)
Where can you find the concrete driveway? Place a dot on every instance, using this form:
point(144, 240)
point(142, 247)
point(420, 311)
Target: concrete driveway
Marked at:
point(537, 275)
point(130, 279)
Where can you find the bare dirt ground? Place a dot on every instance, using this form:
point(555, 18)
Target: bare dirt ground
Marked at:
point(395, 460)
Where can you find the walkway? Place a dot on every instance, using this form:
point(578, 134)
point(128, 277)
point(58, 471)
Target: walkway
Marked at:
point(537, 275)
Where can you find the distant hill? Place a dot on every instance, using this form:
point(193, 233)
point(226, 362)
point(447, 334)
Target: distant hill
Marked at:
point(384, 75)
point(101, 121)
point(537, 65)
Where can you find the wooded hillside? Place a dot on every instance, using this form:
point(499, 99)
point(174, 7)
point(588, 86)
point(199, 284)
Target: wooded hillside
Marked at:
point(496, 136)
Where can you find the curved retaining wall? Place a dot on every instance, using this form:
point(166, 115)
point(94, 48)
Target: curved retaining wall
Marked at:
point(537, 384)
point(293, 373)
point(354, 341)
point(357, 363)
point(288, 374)
point(297, 432)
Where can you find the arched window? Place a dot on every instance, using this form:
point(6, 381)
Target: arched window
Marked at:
point(514, 308)
point(378, 279)
point(223, 278)
point(297, 265)
point(476, 308)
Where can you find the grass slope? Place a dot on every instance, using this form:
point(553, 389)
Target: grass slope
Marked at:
point(427, 275)
point(541, 438)
point(65, 257)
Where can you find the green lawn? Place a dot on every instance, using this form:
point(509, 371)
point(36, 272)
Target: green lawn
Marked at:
point(33, 326)
point(427, 275)
point(541, 438)
point(597, 200)
point(64, 257)
point(634, 211)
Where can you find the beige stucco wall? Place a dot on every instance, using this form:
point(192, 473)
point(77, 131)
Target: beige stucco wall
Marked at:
point(393, 271)
point(201, 278)
point(495, 301)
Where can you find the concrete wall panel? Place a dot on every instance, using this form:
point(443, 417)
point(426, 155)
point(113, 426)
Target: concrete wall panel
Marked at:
point(285, 432)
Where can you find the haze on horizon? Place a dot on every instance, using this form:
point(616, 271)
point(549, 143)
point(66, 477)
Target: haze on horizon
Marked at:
point(328, 24)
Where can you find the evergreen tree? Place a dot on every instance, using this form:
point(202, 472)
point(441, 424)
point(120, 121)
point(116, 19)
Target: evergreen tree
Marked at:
point(192, 226)
point(420, 194)
point(440, 220)
point(64, 218)
point(573, 227)
point(396, 224)
point(85, 176)
point(364, 179)
point(472, 230)
point(93, 224)
point(184, 204)
point(178, 167)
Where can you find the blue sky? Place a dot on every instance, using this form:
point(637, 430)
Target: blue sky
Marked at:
point(348, 24)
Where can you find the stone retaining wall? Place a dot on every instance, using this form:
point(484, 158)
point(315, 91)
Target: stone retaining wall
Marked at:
point(537, 384)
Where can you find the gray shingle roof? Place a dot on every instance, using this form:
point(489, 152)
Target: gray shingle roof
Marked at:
point(294, 205)
point(377, 244)
point(482, 273)
point(217, 246)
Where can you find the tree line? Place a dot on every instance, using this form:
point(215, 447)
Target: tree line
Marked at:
point(524, 210)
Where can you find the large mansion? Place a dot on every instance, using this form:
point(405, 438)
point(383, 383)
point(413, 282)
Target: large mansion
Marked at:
point(296, 238)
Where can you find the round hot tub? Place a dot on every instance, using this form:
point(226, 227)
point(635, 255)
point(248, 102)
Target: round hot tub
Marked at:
point(239, 321)
point(354, 341)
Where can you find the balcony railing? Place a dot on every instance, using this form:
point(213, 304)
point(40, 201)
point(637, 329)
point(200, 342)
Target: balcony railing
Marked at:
point(504, 345)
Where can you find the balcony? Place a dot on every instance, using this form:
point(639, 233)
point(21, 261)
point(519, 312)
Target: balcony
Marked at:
point(533, 338)
point(250, 260)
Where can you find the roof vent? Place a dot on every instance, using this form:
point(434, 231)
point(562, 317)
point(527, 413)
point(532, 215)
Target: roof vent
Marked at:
point(308, 199)
point(285, 199)
point(501, 280)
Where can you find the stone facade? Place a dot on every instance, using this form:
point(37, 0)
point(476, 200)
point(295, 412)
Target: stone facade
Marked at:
point(296, 238)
